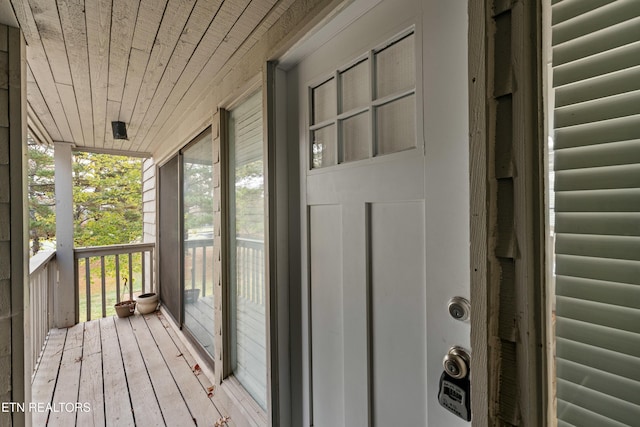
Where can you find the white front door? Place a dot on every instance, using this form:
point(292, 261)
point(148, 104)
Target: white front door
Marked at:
point(383, 131)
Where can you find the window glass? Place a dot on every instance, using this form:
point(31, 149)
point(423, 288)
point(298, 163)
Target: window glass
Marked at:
point(197, 202)
point(247, 278)
point(395, 67)
point(374, 102)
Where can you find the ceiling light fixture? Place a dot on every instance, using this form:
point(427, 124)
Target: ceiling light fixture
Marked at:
point(119, 130)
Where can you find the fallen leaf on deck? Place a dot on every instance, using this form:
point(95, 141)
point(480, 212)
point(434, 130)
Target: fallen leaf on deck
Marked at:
point(210, 391)
point(178, 355)
point(222, 421)
point(196, 369)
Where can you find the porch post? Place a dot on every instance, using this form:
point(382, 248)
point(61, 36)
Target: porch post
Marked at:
point(64, 298)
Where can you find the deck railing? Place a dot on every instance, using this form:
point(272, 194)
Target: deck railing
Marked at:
point(123, 270)
point(249, 267)
point(198, 249)
point(43, 275)
point(250, 270)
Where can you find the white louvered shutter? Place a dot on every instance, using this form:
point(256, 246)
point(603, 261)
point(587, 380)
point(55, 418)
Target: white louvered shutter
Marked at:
point(596, 77)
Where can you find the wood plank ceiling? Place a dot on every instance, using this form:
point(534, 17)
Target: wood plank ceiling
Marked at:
point(143, 62)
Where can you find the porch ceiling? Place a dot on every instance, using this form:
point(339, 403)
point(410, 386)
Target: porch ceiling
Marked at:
point(143, 62)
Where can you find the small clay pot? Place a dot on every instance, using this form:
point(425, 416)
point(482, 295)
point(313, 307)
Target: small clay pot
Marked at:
point(125, 308)
point(147, 303)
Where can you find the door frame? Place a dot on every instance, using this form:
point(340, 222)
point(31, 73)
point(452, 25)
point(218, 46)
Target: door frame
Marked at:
point(505, 47)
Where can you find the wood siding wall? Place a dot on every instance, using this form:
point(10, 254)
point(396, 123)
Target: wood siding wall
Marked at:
point(149, 215)
point(13, 224)
point(507, 211)
point(149, 200)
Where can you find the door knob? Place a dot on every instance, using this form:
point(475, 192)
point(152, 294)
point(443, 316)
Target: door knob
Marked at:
point(456, 362)
point(454, 390)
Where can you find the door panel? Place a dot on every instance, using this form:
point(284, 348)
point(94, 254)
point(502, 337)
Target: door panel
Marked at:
point(384, 209)
point(398, 312)
point(325, 224)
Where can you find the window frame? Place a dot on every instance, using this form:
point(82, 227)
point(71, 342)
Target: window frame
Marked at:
point(224, 369)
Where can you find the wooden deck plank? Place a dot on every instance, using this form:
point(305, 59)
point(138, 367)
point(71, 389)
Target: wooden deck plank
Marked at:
point(91, 382)
point(172, 404)
point(68, 378)
point(195, 394)
point(143, 400)
point(222, 401)
point(117, 408)
point(110, 362)
point(44, 381)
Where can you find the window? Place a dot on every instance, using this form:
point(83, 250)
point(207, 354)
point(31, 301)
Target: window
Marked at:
point(248, 354)
point(366, 109)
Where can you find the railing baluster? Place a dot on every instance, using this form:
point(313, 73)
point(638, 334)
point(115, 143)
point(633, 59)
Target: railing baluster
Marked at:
point(104, 287)
point(204, 270)
point(87, 271)
point(151, 284)
point(144, 276)
point(193, 267)
point(130, 276)
point(117, 278)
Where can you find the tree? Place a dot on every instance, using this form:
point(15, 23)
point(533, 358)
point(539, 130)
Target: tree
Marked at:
point(198, 194)
point(41, 192)
point(107, 198)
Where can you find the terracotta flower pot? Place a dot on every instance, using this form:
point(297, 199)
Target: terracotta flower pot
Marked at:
point(125, 308)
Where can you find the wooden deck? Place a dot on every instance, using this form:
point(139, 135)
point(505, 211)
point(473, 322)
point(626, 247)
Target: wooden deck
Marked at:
point(124, 372)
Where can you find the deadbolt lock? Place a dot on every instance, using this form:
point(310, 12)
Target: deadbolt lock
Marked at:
point(459, 308)
point(456, 362)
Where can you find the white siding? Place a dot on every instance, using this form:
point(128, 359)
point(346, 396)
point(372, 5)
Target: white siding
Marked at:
point(149, 212)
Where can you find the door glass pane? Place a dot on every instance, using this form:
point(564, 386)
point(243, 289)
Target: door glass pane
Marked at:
point(197, 202)
point(395, 67)
point(355, 137)
point(395, 124)
point(324, 147)
point(248, 315)
point(324, 101)
point(355, 84)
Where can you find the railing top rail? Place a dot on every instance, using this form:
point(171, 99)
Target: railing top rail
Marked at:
point(247, 240)
point(40, 260)
point(91, 251)
point(197, 243)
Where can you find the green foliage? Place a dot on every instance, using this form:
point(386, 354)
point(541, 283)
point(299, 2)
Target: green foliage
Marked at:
point(198, 195)
point(41, 192)
point(249, 200)
point(107, 199)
